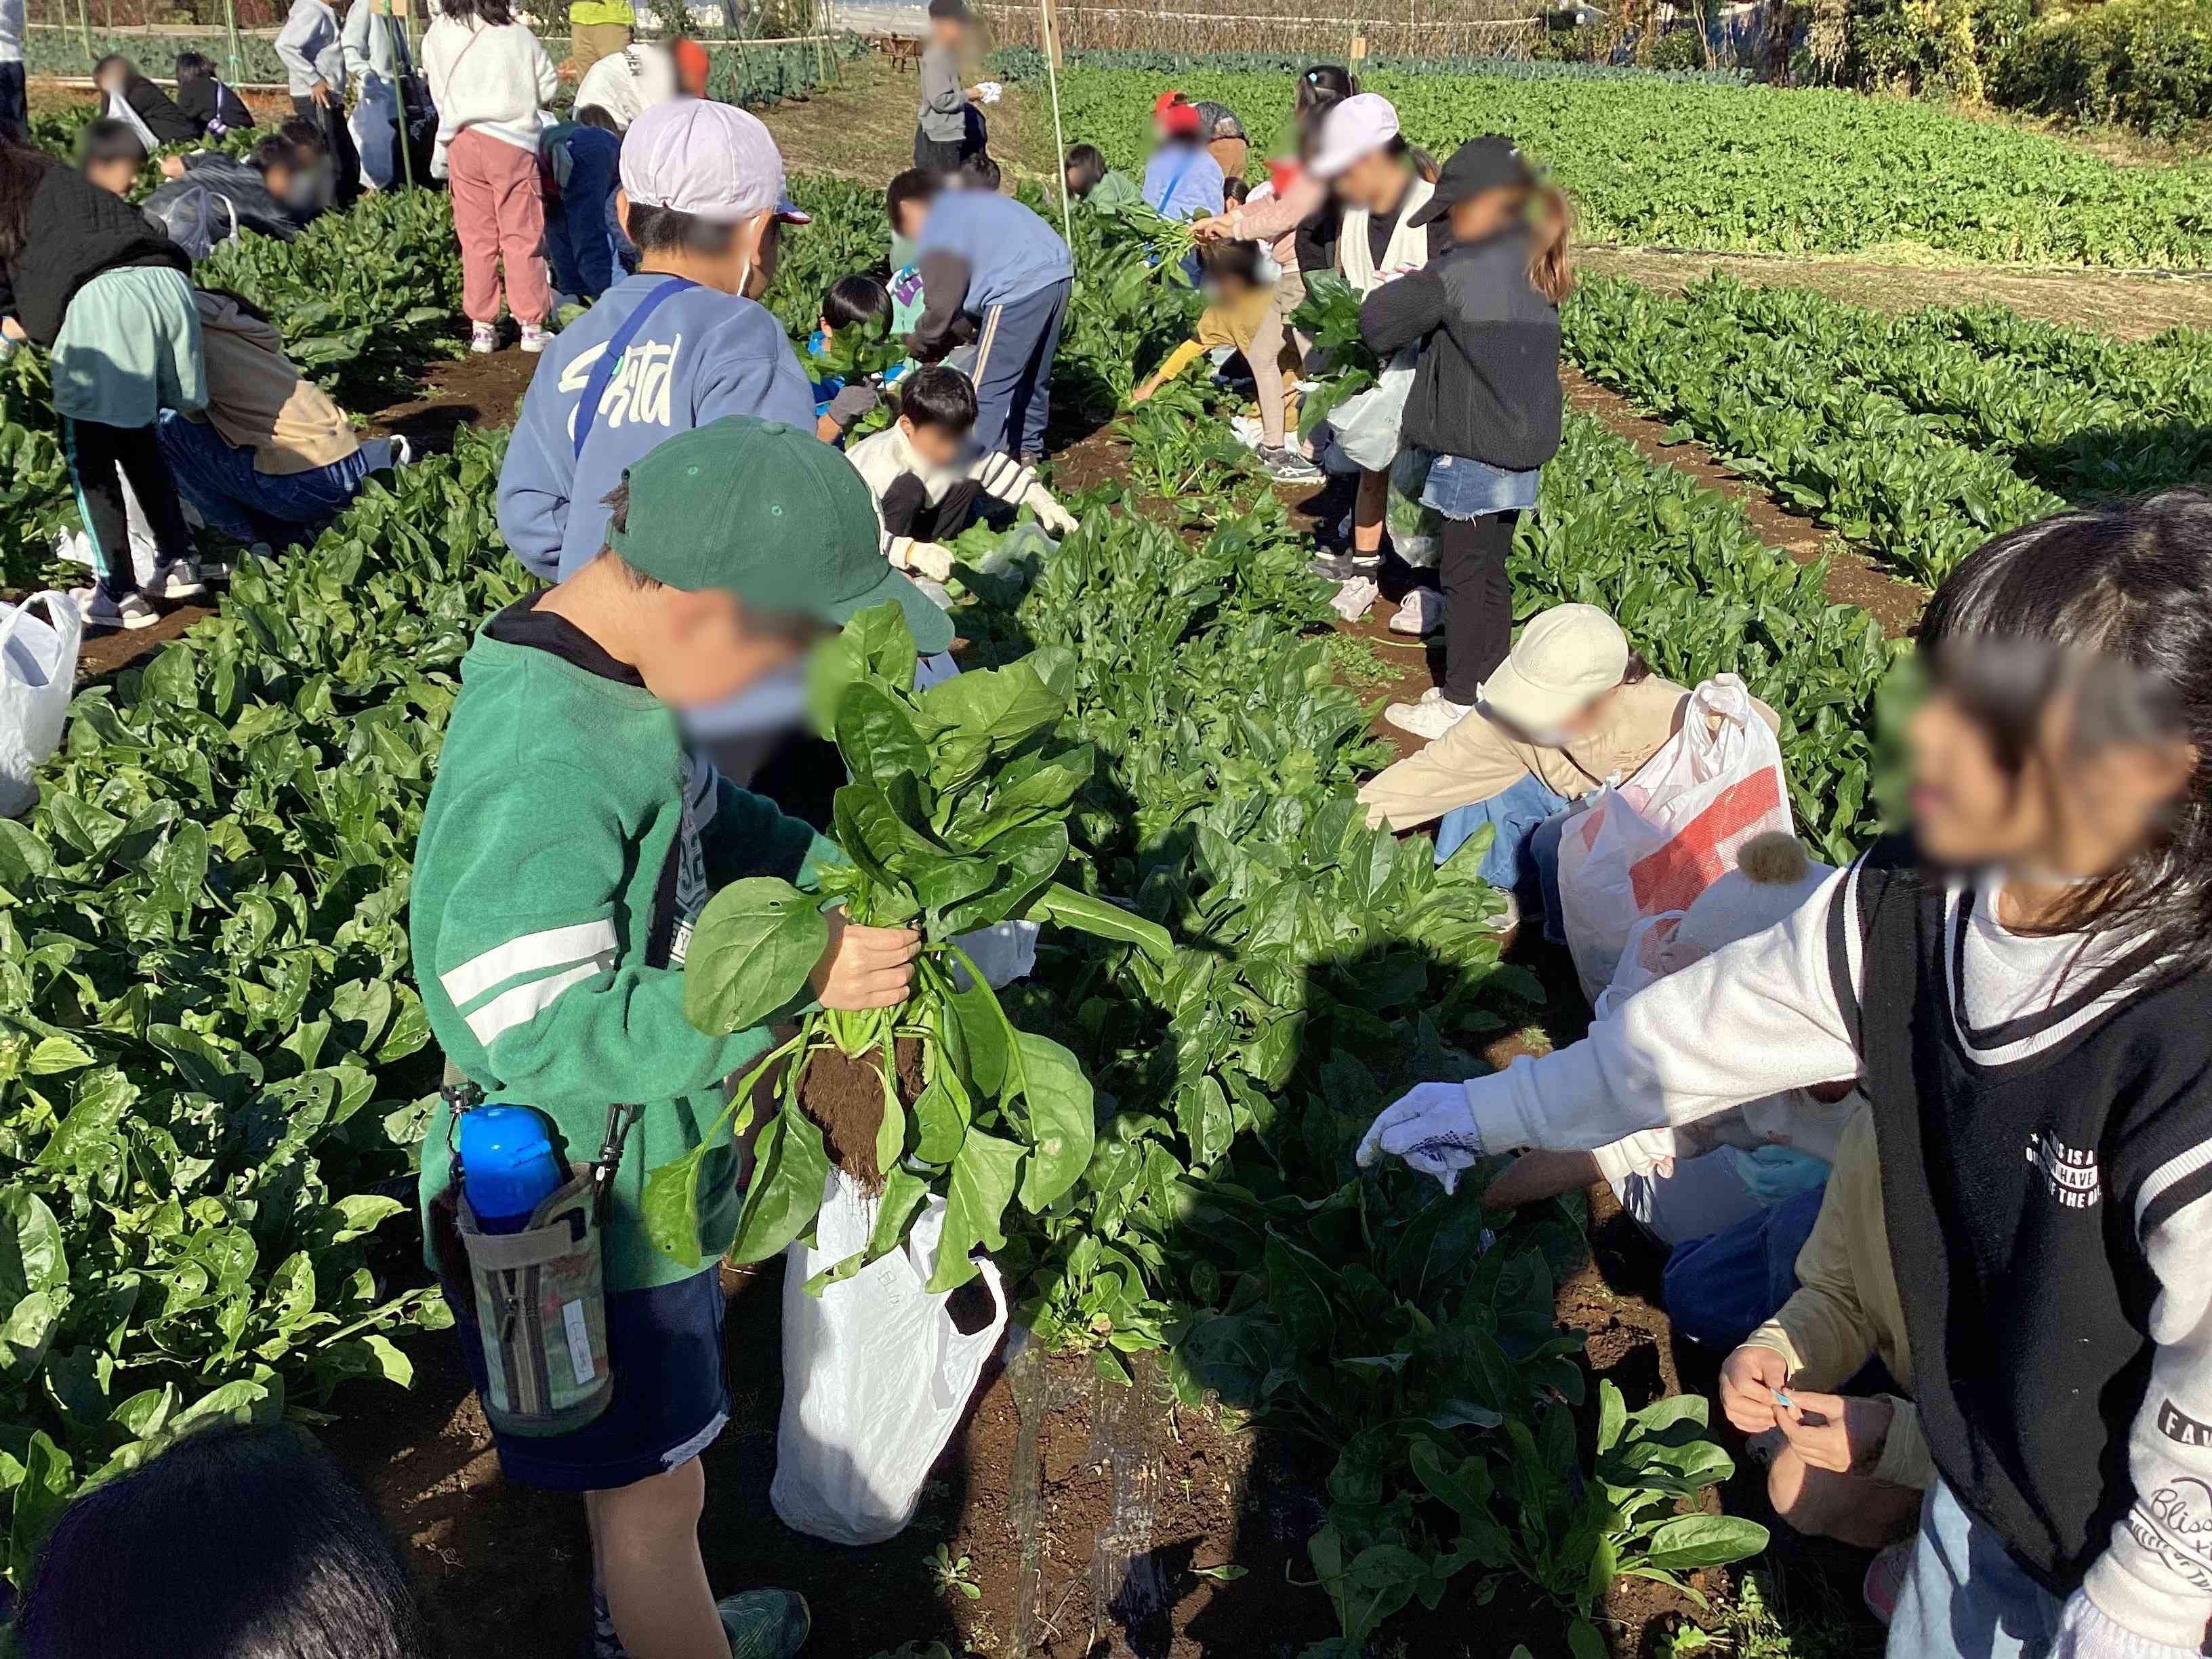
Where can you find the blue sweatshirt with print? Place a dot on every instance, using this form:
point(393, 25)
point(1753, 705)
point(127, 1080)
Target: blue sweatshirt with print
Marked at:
point(702, 354)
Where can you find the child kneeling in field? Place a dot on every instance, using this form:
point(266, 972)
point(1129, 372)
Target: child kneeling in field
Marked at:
point(928, 481)
point(1854, 1467)
point(568, 848)
point(2023, 984)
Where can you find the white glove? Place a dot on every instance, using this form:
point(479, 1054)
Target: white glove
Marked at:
point(1431, 1128)
point(2085, 1631)
point(1002, 953)
point(1052, 515)
point(930, 559)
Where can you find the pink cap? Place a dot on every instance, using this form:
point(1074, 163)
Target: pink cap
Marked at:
point(704, 158)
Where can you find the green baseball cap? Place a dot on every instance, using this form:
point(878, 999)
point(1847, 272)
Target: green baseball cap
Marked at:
point(773, 514)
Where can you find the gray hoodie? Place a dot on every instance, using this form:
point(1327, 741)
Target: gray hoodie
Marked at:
point(313, 48)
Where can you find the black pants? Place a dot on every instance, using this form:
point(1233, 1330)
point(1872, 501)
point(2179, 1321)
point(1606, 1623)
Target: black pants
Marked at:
point(1478, 599)
point(99, 458)
point(345, 159)
point(14, 119)
point(939, 154)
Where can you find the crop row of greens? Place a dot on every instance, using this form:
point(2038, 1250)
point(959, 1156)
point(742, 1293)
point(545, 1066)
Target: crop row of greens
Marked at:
point(1915, 436)
point(210, 1036)
point(1026, 63)
point(1753, 168)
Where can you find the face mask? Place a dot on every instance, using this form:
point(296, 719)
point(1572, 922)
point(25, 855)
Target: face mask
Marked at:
point(904, 252)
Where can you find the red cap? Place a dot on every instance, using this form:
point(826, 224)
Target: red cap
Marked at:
point(1162, 104)
point(1180, 118)
point(1283, 173)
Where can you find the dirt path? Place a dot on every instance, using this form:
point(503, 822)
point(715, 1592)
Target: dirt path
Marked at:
point(863, 128)
point(1852, 577)
point(2129, 307)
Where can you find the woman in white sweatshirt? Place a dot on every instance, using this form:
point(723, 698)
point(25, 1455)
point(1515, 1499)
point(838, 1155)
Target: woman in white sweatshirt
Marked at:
point(2024, 988)
point(489, 78)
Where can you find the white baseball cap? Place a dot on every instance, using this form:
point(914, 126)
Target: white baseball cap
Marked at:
point(1360, 125)
point(709, 159)
point(1564, 658)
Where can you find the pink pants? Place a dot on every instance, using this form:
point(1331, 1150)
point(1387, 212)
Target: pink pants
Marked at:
point(499, 214)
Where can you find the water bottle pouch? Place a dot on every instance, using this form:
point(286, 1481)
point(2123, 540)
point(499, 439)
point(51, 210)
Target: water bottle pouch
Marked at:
point(541, 1312)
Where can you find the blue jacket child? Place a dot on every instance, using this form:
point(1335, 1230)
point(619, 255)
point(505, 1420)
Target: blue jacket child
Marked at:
point(700, 354)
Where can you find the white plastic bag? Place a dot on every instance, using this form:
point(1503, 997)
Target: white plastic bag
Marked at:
point(1653, 843)
point(38, 672)
point(1363, 427)
point(875, 1375)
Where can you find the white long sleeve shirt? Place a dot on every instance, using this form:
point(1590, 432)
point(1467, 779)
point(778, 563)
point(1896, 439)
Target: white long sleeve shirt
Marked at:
point(366, 42)
point(492, 80)
point(311, 48)
point(1763, 1016)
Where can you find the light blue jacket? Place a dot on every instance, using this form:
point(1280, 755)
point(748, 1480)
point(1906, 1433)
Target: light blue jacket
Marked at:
point(702, 354)
point(1183, 181)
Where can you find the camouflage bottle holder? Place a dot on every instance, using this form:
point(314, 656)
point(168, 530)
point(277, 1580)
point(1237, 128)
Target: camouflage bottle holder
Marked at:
point(541, 1309)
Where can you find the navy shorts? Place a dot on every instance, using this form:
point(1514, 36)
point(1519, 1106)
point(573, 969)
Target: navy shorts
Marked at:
point(665, 1346)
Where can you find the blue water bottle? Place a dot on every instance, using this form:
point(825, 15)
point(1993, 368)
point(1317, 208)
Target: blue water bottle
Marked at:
point(507, 1165)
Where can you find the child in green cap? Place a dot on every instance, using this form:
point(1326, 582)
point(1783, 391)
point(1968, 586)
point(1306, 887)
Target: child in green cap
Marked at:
point(568, 845)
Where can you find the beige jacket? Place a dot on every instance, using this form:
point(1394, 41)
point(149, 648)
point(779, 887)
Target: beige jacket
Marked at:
point(1846, 1308)
point(1476, 760)
point(257, 401)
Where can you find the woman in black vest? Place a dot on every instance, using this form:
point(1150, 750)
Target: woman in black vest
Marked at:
point(2024, 985)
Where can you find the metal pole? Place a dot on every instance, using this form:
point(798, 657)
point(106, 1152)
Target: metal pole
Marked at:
point(230, 28)
point(1059, 137)
point(400, 55)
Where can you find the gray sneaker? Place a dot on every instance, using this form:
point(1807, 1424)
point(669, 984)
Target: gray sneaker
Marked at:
point(765, 1624)
point(1286, 465)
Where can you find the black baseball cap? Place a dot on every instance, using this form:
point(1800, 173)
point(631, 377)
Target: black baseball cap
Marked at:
point(1492, 161)
point(949, 8)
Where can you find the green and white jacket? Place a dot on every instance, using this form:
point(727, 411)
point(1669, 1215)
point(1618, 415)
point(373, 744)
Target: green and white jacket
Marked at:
point(569, 843)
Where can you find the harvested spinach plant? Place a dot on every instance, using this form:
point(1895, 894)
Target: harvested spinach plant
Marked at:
point(954, 820)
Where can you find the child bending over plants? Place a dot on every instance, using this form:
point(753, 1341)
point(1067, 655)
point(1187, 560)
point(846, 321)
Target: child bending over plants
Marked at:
point(1240, 302)
point(567, 855)
point(852, 357)
point(929, 480)
point(2022, 980)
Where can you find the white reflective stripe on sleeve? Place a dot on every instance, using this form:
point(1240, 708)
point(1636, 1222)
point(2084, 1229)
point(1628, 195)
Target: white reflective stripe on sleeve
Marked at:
point(527, 1001)
point(556, 947)
point(2163, 1179)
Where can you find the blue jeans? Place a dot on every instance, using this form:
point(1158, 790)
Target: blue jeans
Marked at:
point(1720, 1290)
point(1524, 853)
point(219, 481)
point(1966, 1596)
point(1013, 371)
point(583, 244)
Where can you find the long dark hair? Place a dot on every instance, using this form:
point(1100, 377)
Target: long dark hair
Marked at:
point(235, 1543)
point(21, 168)
point(2111, 605)
point(492, 14)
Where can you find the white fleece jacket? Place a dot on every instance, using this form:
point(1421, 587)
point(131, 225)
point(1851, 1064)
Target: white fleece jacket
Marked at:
point(493, 80)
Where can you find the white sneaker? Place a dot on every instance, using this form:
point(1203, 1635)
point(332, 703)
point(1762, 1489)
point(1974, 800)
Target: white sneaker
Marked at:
point(534, 337)
point(1422, 612)
point(483, 339)
point(105, 614)
point(1430, 718)
point(180, 579)
point(215, 570)
point(1353, 599)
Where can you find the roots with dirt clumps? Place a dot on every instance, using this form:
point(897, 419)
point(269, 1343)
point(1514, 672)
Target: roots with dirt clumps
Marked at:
point(846, 1097)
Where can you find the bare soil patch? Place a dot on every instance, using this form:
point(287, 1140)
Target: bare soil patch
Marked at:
point(2128, 308)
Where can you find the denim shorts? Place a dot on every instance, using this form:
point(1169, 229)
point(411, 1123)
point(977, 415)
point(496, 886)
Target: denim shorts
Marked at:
point(1460, 487)
point(665, 1345)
